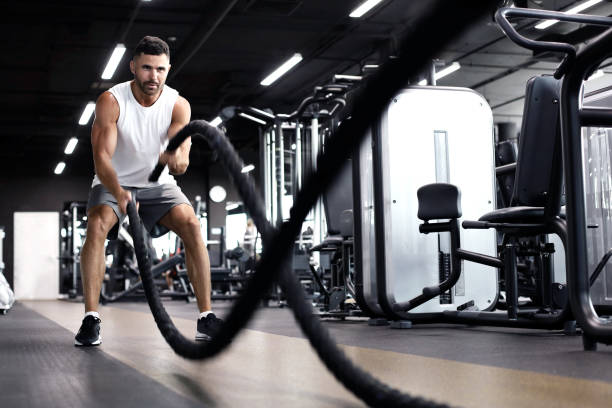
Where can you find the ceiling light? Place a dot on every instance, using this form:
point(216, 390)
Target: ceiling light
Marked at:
point(447, 70)
point(364, 8)
point(574, 10)
point(247, 168)
point(253, 118)
point(282, 70)
point(597, 74)
point(216, 121)
point(113, 61)
point(231, 206)
point(89, 108)
point(59, 168)
point(217, 194)
point(339, 77)
point(71, 145)
point(261, 112)
point(443, 72)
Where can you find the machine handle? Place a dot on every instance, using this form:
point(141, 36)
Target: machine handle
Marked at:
point(475, 225)
point(502, 15)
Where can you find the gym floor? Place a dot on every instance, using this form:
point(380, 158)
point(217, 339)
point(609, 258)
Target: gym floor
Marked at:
point(272, 364)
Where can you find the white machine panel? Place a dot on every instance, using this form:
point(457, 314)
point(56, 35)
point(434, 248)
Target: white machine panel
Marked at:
point(597, 175)
point(365, 214)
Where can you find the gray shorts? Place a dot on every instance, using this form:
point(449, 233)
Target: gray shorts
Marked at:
point(154, 203)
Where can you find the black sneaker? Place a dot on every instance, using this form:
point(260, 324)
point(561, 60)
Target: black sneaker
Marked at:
point(207, 327)
point(89, 333)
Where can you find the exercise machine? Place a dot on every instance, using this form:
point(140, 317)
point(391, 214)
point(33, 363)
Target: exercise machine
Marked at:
point(426, 134)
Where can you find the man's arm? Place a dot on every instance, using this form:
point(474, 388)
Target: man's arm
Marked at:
point(103, 143)
point(179, 159)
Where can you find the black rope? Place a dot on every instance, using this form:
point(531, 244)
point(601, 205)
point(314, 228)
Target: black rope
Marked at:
point(418, 48)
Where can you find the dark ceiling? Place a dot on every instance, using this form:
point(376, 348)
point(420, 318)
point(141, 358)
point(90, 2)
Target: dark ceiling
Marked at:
point(55, 51)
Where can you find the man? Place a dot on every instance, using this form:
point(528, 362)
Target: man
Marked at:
point(133, 123)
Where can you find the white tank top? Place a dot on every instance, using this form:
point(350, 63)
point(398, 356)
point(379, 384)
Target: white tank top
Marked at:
point(142, 134)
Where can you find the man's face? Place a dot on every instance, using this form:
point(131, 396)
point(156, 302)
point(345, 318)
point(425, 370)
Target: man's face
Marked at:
point(150, 72)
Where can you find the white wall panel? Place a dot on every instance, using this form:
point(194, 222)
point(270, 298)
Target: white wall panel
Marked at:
point(36, 253)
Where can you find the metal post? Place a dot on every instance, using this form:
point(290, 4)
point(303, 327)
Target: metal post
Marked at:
point(2, 235)
point(267, 165)
point(273, 188)
point(511, 280)
point(315, 144)
point(547, 278)
point(431, 74)
point(75, 256)
point(298, 155)
point(280, 174)
point(261, 135)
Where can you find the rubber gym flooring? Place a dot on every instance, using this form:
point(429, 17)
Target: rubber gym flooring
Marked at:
point(272, 364)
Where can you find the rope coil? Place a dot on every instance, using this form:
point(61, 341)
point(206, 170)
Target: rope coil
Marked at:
point(273, 266)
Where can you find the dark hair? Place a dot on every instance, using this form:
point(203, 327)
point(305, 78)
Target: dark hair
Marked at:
point(152, 46)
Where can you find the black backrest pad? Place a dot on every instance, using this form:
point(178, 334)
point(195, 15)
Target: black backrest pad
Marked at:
point(538, 170)
point(439, 201)
point(337, 199)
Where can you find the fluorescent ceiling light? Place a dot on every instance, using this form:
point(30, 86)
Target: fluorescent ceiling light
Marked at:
point(71, 145)
point(59, 168)
point(597, 74)
point(443, 72)
point(113, 62)
point(282, 70)
point(231, 206)
point(261, 112)
point(364, 8)
point(89, 109)
point(574, 10)
point(253, 118)
point(347, 77)
point(216, 121)
point(247, 168)
point(447, 70)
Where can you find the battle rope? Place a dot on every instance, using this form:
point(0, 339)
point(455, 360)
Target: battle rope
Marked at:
point(377, 92)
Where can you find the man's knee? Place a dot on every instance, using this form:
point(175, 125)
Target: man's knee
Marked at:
point(191, 225)
point(187, 226)
point(100, 220)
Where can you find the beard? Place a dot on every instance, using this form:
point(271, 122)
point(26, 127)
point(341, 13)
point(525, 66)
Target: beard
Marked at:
point(146, 87)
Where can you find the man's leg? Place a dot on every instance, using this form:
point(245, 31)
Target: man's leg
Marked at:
point(100, 220)
point(182, 220)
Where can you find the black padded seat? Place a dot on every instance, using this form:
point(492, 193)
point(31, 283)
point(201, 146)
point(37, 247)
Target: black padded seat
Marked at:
point(330, 243)
point(520, 214)
point(332, 240)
